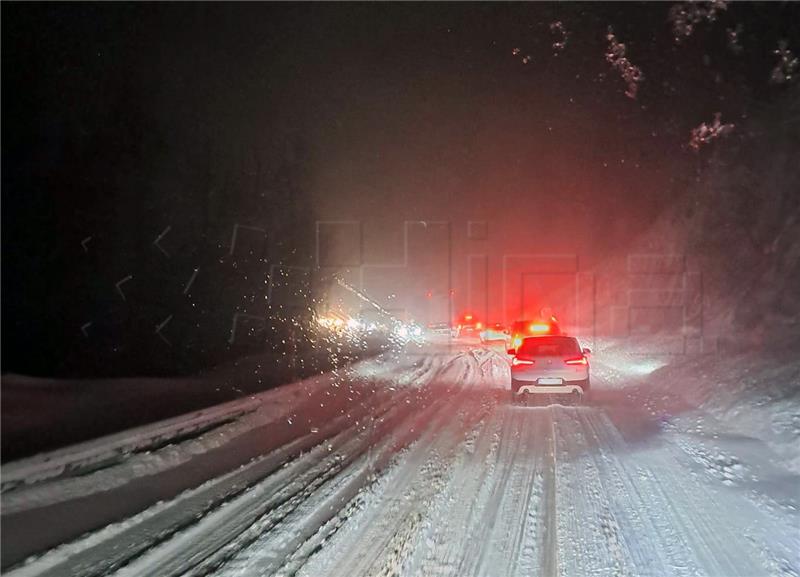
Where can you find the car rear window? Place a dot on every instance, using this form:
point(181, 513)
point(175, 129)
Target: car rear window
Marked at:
point(550, 346)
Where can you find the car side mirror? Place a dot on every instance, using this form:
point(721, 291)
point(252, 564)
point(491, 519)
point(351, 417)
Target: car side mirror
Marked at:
point(587, 351)
point(511, 351)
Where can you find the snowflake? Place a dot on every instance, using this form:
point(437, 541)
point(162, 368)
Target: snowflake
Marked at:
point(787, 65)
point(561, 36)
point(525, 59)
point(632, 75)
point(705, 133)
point(734, 38)
point(686, 15)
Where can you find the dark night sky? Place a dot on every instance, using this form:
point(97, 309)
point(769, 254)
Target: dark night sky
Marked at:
point(115, 115)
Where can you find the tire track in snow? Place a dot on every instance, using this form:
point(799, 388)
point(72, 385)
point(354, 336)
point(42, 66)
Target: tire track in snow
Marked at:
point(468, 486)
point(426, 471)
point(645, 514)
point(205, 546)
point(392, 541)
point(266, 555)
point(482, 518)
point(654, 544)
point(487, 520)
point(589, 537)
point(549, 557)
point(553, 491)
point(103, 551)
point(504, 523)
point(690, 509)
point(439, 547)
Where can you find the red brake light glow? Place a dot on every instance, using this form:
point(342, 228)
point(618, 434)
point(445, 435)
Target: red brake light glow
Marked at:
point(516, 362)
point(576, 361)
point(539, 328)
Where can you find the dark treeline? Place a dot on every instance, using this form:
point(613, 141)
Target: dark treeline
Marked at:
point(147, 195)
point(744, 216)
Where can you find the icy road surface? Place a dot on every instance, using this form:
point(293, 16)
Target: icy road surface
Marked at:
point(421, 467)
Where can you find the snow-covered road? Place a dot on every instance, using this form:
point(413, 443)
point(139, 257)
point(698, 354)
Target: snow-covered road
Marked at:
point(420, 466)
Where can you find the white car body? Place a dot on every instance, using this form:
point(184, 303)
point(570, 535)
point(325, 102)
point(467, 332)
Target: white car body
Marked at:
point(494, 333)
point(550, 365)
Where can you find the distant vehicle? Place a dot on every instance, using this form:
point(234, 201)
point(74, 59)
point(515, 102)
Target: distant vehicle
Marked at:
point(468, 326)
point(440, 330)
point(495, 332)
point(549, 365)
point(530, 328)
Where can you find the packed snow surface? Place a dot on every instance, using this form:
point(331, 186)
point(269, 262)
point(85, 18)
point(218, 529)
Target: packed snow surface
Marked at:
point(420, 466)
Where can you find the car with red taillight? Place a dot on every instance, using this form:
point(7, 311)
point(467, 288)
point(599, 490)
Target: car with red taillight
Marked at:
point(549, 364)
point(529, 328)
point(468, 326)
point(494, 332)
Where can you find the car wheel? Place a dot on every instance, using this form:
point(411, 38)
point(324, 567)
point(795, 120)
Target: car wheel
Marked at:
point(586, 396)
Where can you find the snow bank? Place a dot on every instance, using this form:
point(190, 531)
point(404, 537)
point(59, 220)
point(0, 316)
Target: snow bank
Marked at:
point(750, 395)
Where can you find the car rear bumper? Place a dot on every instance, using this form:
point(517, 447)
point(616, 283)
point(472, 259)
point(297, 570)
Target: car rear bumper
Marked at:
point(532, 387)
point(550, 389)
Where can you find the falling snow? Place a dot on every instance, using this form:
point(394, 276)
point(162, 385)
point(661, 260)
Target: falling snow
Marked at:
point(705, 133)
point(734, 37)
point(526, 58)
point(787, 65)
point(687, 15)
point(632, 75)
point(561, 35)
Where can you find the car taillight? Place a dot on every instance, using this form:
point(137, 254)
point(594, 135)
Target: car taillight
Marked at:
point(539, 328)
point(576, 361)
point(516, 343)
point(516, 362)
